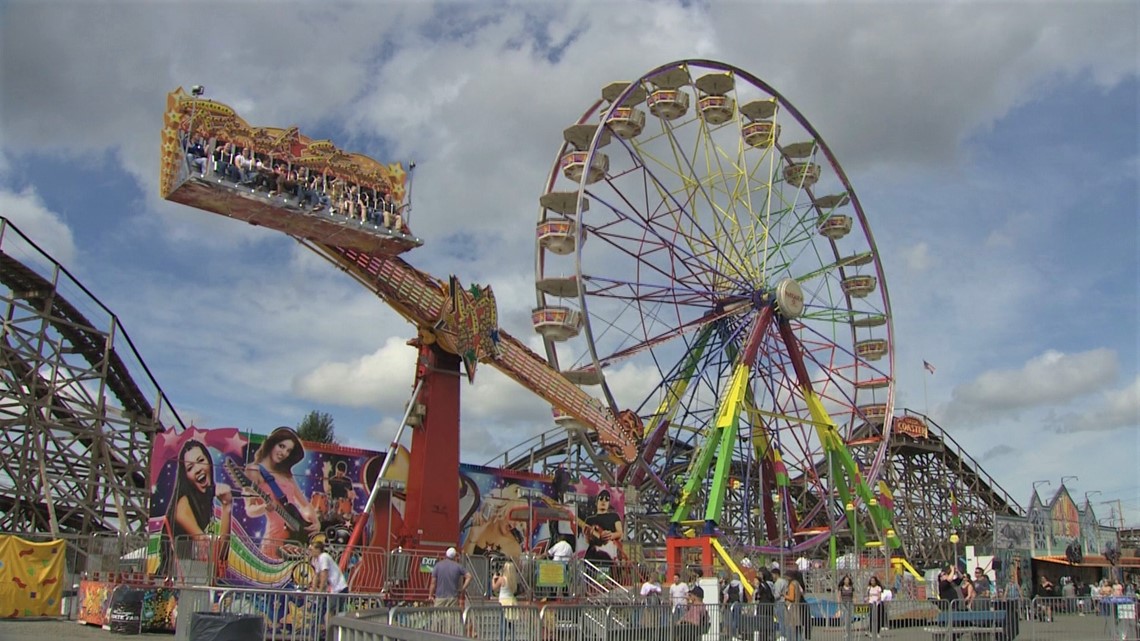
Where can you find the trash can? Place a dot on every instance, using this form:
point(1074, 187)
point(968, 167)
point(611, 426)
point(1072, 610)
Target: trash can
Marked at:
point(224, 626)
point(125, 611)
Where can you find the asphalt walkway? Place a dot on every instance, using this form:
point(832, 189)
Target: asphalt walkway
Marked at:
point(61, 630)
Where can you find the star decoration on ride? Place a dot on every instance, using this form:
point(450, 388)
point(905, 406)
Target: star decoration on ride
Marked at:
point(474, 317)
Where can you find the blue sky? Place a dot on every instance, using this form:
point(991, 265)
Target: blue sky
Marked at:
point(994, 148)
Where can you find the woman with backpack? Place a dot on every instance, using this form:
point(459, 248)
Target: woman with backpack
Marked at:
point(797, 619)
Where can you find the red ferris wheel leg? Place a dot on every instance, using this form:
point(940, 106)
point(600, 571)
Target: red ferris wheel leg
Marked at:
point(431, 517)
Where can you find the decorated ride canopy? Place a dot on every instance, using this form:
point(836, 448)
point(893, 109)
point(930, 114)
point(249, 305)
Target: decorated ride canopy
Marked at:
point(186, 115)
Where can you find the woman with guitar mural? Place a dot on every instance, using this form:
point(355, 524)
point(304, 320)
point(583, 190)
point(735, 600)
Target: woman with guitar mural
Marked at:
point(190, 516)
point(289, 518)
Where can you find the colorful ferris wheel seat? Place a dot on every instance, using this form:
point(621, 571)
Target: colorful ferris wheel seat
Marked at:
point(763, 109)
point(857, 260)
point(835, 227)
point(574, 165)
point(715, 84)
point(799, 150)
point(716, 110)
point(668, 104)
point(858, 286)
point(870, 320)
point(879, 382)
point(563, 202)
point(556, 323)
point(581, 135)
point(874, 413)
point(626, 122)
point(562, 287)
point(557, 235)
point(801, 174)
point(831, 201)
point(871, 349)
point(761, 134)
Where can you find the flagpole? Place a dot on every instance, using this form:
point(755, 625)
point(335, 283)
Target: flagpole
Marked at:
point(925, 397)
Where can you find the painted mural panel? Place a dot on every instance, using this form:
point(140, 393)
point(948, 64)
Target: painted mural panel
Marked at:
point(234, 508)
point(508, 513)
point(271, 493)
point(1066, 526)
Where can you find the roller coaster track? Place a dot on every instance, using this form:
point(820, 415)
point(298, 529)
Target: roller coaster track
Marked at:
point(75, 425)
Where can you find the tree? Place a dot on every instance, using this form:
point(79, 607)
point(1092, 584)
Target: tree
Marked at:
point(317, 427)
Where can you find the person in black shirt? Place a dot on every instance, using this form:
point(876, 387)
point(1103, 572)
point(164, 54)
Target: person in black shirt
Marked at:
point(340, 490)
point(604, 532)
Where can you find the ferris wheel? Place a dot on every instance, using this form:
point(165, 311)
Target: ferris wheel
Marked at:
point(702, 259)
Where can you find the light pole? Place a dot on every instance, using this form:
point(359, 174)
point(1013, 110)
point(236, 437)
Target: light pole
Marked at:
point(1036, 483)
point(954, 540)
point(1075, 478)
point(1088, 494)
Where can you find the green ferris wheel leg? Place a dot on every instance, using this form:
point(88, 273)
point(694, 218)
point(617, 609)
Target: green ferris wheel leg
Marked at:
point(728, 424)
point(846, 474)
point(695, 479)
point(722, 435)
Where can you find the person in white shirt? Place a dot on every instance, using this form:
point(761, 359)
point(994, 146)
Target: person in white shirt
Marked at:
point(327, 576)
point(561, 551)
point(651, 589)
point(678, 594)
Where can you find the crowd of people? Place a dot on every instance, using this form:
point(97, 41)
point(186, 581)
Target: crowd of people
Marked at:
point(783, 594)
point(307, 189)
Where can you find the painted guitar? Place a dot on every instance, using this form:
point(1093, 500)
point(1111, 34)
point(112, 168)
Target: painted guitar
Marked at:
point(294, 522)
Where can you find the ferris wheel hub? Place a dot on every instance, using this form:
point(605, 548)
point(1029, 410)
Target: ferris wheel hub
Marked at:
point(789, 298)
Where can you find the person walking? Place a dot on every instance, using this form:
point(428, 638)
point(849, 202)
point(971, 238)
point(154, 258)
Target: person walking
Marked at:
point(448, 582)
point(506, 584)
point(874, 600)
point(678, 595)
point(327, 576)
point(846, 591)
point(797, 620)
point(779, 590)
point(650, 594)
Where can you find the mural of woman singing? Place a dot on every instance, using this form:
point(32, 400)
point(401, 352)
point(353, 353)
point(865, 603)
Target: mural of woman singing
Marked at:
point(289, 518)
point(188, 526)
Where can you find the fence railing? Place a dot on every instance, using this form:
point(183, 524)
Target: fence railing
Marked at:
point(901, 620)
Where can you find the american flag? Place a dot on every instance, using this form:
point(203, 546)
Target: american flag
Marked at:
point(928, 366)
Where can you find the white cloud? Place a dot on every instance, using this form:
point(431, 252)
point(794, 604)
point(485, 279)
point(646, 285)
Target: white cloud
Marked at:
point(1051, 379)
point(1114, 409)
point(46, 228)
point(379, 380)
point(917, 257)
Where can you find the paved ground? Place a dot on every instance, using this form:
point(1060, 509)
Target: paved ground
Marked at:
point(59, 630)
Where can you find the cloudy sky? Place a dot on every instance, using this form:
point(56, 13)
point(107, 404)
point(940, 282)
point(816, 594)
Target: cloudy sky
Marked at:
point(993, 147)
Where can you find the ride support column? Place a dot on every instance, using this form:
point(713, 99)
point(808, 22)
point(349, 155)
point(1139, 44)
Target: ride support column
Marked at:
point(431, 516)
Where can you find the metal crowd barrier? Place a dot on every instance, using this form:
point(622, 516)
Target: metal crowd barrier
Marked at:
point(1054, 619)
point(288, 615)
